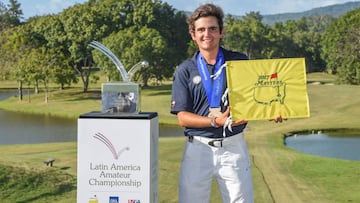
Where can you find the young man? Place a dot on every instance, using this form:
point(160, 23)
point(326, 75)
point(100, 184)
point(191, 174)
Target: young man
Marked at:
point(211, 150)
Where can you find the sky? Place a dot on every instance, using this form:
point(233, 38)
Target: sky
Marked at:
point(234, 7)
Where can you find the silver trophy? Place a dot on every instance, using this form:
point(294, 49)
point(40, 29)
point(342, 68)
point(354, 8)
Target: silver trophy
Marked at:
point(120, 97)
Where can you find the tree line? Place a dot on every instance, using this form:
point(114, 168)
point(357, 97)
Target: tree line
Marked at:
point(54, 48)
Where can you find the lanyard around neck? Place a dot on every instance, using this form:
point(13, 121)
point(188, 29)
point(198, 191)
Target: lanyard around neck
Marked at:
point(213, 86)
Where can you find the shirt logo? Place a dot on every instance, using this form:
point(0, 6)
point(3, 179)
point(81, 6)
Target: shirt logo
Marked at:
point(197, 79)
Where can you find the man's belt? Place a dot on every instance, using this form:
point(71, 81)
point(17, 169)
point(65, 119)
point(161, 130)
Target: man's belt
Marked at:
point(216, 142)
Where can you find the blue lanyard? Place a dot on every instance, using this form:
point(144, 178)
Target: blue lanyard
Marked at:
point(213, 87)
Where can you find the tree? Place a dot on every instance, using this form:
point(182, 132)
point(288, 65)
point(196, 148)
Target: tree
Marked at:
point(3, 23)
point(32, 58)
point(51, 30)
point(233, 33)
point(248, 35)
point(10, 15)
point(14, 46)
point(14, 12)
point(132, 46)
point(307, 36)
point(341, 48)
point(281, 44)
point(152, 30)
point(81, 25)
point(173, 28)
point(316, 27)
point(95, 20)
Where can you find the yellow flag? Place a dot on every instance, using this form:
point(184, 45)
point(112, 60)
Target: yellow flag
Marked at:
point(267, 88)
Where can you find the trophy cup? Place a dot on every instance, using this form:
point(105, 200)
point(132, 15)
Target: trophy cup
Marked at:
point(120, 97)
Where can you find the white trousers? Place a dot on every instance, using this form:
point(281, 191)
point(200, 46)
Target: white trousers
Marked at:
point(229, 164)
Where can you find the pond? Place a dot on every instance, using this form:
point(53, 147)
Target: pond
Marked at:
point(22, 128)
point(345, 146)
point(6, 93)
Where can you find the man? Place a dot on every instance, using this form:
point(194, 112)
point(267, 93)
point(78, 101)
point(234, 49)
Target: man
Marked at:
point(211, 150)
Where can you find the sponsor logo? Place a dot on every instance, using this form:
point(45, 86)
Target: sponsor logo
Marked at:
point(102, 138)
point(133, 201)
point(113, 199)
point(93, 199)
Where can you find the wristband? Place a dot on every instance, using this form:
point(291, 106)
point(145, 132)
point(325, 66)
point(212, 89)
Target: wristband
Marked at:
point(213, 122)
point(216, 123)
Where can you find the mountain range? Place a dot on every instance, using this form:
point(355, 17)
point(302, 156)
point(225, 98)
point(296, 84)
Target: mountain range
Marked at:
point(335, 10)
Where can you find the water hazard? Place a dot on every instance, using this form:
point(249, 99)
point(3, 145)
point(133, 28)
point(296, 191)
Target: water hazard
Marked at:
point(22, 128)
point(345, 146)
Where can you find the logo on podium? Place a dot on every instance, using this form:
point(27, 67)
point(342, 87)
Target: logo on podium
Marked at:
point(102, 138)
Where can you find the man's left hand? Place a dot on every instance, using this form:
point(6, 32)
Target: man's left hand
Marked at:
point(278, 119)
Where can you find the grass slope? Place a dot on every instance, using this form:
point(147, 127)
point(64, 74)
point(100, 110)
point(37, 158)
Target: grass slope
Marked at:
point(25, 178)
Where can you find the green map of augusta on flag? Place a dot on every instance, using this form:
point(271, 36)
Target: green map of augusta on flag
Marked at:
point(267, 88)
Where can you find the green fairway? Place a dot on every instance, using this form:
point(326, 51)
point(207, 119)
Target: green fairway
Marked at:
point(280, 174)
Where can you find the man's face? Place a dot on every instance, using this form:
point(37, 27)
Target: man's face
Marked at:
point(207, 34)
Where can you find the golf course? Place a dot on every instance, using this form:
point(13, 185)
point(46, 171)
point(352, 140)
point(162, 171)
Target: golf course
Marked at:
point(280, 174)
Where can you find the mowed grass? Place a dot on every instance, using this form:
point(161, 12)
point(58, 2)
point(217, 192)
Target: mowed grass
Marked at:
point(70, 103)
point(291, 176)
point(25, 177)
point(280, 174)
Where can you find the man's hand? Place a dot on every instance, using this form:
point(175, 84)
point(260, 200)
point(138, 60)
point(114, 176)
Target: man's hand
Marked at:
point(278, 119)
point(222, 119)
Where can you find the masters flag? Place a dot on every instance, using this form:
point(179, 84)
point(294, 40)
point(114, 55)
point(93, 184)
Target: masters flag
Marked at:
point(267, 88)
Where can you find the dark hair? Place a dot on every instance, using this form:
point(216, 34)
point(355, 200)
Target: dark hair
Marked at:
point(205, 11)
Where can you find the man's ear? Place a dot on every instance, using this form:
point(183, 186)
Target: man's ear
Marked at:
point(192, 34)
point(222, 33)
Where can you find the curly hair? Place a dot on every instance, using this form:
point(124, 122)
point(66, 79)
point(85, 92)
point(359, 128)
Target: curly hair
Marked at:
point(205, 11)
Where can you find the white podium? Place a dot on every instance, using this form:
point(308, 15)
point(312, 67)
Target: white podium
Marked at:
point(117, 158)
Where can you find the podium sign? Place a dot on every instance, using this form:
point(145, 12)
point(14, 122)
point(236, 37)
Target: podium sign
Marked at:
point(267, 88)
point(117, 158)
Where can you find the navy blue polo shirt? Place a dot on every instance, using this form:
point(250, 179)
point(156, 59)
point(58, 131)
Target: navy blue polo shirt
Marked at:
point(188, 94)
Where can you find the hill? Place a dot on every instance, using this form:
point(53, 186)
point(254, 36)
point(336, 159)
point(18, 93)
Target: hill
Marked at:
point(335, 10)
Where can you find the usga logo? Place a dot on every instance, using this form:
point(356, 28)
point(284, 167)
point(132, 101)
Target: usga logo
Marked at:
point(133, 201)
point(113, 199)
